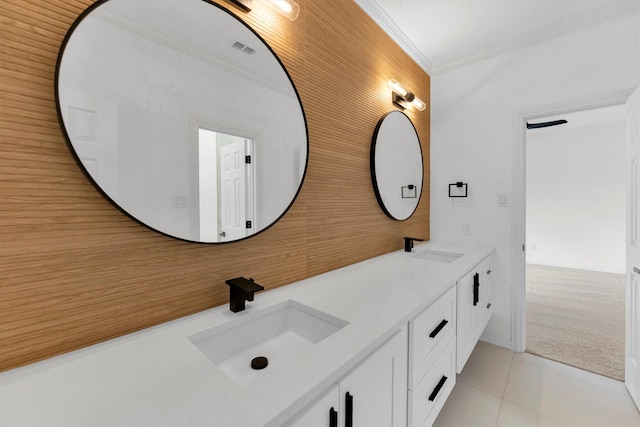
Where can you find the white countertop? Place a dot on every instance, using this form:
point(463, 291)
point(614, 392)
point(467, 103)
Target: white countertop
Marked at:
point(157, 377)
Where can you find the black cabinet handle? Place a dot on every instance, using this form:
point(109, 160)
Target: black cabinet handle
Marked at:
point(348, 407)
point(333, 418)
point(636, 270)
point(436, 390)
point(438, 328)
point(489, 271)
point(489, 305)
point(476, 288)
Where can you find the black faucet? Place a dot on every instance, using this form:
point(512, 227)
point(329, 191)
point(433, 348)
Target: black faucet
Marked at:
point(241, 290)
point(408, 243)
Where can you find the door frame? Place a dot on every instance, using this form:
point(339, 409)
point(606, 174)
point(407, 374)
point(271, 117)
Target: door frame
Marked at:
point(195, 123)
point(518, 211)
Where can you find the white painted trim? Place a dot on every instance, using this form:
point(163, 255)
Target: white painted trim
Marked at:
point(373, 9)
point(518, 211)
point(496, 341)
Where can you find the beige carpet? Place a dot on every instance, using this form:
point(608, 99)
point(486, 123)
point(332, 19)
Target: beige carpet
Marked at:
point(576, 317)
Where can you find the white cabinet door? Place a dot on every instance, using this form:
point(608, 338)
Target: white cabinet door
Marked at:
point(375, 392)
point(473, 296)
point(477, 312)
point(486, 284)
point(323, 412)
point(464, 324)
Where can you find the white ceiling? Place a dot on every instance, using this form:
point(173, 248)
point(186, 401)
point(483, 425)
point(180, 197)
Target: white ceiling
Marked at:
point(444, 34)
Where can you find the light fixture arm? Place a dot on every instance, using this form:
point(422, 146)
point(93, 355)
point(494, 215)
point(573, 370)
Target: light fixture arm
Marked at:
point(404, 98)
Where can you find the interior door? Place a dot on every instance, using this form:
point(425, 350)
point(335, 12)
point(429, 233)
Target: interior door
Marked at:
point(92, 123)
point(632, 334)
point(233, 185)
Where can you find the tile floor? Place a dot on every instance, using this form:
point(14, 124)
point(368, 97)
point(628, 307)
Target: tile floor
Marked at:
point(500, 388)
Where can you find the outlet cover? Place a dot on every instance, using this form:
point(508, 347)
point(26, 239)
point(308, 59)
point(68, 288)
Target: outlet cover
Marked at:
point(180, 201)
point(467, 228)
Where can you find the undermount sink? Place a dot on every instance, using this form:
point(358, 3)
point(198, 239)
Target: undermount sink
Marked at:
point(278, 333)
point(437, 256)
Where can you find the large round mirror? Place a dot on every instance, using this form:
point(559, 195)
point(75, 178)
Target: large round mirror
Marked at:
point(396, 165)
point(182, 116)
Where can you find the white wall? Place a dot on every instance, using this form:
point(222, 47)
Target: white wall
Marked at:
point(473, 135)
point(575, 196)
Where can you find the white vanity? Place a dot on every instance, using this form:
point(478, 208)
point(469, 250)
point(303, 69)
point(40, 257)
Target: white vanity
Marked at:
point(374, 343)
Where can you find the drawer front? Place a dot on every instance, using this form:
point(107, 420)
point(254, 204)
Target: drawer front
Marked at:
point(426, 401)
point(429, 333)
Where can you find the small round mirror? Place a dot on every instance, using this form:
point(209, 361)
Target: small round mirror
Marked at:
point(396, 165)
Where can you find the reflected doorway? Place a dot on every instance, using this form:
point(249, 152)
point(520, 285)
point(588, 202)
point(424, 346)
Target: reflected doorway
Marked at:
point(225, 185)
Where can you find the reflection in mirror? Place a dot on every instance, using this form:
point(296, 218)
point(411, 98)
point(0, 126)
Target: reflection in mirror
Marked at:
point(396, 165)
point(182, 116)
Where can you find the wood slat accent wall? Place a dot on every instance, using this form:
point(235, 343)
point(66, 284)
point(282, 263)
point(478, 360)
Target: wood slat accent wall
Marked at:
point(75, 271)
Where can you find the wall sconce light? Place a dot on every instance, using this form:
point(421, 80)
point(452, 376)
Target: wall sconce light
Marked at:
point(458, 189)
point(288, 8)
point(404, 98)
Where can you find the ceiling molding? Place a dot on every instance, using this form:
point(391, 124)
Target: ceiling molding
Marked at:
point(376, 13)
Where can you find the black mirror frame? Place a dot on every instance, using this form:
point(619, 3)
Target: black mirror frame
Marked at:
point(63, 46)
point(372, 166)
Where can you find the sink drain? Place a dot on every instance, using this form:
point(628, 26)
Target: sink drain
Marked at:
point(259, 362)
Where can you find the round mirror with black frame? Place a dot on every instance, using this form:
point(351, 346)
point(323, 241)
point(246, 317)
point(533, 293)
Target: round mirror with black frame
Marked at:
point(396, 165)
point(182, 116)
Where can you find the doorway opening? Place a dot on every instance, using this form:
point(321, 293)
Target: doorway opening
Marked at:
point(575, 233)
point(225, 186)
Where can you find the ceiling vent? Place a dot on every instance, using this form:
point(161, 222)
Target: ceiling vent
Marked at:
point(243, 48)
point(545, 124)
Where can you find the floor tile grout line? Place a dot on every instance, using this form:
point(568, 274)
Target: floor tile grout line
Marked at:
point(520, 406)
point(569, 376)
point(477, 389)
point(576, 374)
point(518, 410)
point(537, 413)
point(504, 390)
point(483, 392)
point(499, 411)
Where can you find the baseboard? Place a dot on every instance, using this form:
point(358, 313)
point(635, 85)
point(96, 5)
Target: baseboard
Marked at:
point(496, 341)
